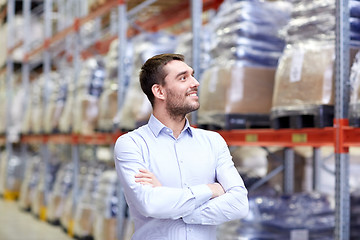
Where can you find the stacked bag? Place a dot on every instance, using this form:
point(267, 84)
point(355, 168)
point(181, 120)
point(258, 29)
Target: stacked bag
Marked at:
point(354, 106)
point(304, 83)
point(299, 216)
point(245, 50)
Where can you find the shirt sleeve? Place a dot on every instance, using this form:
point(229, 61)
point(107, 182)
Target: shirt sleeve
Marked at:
point(158, 202)
point(229, 206)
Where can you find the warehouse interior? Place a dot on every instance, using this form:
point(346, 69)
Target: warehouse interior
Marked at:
point(279, 80)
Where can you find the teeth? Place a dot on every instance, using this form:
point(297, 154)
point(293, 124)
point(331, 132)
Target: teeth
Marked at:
point(192, 95)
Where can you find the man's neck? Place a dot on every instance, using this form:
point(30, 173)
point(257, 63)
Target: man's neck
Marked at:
point(176, 124)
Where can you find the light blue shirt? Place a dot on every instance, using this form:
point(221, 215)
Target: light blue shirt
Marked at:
point(182, 208)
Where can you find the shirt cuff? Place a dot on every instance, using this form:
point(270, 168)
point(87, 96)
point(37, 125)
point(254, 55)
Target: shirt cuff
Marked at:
point(202, 194)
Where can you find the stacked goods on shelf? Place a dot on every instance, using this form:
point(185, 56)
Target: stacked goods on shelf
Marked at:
point(3, 164)
point(355, 215)
point(67, 101)
point(108, 102)
point(354, 105)
point(354, 8)
point(33, 117)
point(59, 103)
point(85, 209)
point(13, 167)
point(16, 109)
point(28, 185)
point(89, 89)
point(236, 91)
point(3, 103)
point(106, 201)
point(299, 216)
point(62, 187)
point(3, 41)
point(52, 93)
point(47, 176)
point(136, 108)
point(304, 90)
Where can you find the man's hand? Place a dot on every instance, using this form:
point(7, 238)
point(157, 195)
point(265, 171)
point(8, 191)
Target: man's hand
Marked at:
point(216, 189)
point(146, 177)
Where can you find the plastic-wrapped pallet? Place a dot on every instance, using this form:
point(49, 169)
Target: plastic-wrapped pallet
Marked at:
point(108, 102)
point(47, 176)
point(354, 8)
point(234, 90)
point(30, 182)
point(303, 93)
point(59, 103)
point(37, 106)
point(105, 224)
point(354, 105)
point(3, 165)
point(66, 118)
point(355, 214)
point(89, 89)
point(57, 197)
point(14, 175)
point(136, 108)
point(304, 77)
point(3, 103)
point(3, 43)
point(108, 107)
point(245, 50)
point(68, 214)
point(85, 209)
point(16, 110)
point(53, 88)
point(305, 215)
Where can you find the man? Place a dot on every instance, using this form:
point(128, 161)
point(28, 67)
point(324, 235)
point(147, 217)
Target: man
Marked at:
point(179, 181)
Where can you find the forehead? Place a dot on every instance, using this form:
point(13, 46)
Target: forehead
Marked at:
point(175, 67)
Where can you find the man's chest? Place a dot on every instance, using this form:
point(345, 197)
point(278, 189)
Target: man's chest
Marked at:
point(182, 164)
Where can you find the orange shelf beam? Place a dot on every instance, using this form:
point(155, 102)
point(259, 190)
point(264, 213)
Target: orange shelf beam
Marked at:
point(282, 137)
point(314, 137)
point(351, 136)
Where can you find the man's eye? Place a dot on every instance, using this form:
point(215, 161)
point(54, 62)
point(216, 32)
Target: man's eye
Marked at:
point(183, 78)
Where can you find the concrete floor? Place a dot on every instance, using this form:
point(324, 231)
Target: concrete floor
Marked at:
point(16, 224)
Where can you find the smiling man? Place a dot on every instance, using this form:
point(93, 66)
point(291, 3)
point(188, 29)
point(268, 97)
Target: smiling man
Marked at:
point(179, 181)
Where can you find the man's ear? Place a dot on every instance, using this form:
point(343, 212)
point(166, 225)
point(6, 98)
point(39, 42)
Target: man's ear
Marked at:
point(158, 91)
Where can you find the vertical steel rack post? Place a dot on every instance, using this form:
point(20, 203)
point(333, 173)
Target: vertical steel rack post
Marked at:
point(342, 195)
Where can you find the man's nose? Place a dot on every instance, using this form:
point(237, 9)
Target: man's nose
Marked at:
point(196, 82)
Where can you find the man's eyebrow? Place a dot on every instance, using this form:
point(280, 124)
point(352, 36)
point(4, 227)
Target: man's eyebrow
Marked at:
point(180, 73)
point(184, 72)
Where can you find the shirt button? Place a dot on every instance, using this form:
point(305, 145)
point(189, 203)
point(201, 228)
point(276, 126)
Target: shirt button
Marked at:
point(192, 220)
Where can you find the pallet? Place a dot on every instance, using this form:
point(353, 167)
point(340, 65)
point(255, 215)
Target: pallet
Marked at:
point(240, 121)
point(354, 122)
point(319, 116)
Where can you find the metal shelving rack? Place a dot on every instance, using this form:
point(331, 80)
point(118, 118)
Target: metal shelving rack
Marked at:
point(340, 136)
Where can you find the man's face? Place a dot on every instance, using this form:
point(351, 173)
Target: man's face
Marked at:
point(180, 88)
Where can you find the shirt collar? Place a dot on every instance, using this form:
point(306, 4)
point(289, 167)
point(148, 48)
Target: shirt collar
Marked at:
point(156, 126)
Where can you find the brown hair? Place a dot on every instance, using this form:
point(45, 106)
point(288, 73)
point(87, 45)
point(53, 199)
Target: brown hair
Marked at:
point(152, 72)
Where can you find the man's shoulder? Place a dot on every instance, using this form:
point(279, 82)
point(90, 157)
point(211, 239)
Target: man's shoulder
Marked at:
point(137, 133)
point(205, 133)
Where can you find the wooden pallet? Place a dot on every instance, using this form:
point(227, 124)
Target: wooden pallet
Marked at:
point(319, 117)
point(240, 121)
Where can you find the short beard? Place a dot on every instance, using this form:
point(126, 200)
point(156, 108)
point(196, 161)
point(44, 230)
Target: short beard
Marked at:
point(179, 110)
